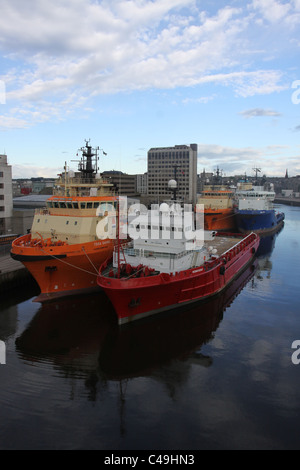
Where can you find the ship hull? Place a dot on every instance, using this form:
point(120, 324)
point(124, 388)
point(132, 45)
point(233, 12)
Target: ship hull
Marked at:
point(136, 298)
point(259, 221)
point(62, 270)
point(219, 220)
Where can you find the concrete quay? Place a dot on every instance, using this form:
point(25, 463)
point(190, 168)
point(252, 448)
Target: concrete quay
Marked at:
point(12, 274)
point(289, 201)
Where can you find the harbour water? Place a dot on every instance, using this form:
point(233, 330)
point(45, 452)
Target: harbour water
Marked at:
point(218, 375)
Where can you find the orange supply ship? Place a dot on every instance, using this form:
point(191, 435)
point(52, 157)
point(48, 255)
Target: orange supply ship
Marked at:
point(218, 209)
point(68, 242)
point(218, 202)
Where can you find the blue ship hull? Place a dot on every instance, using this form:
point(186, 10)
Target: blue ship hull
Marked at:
point(259, 221)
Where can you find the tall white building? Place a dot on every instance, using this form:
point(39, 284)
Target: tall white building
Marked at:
point(6, 199)
point(173, 163)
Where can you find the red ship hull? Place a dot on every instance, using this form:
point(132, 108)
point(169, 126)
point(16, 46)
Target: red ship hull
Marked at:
point(134, 298)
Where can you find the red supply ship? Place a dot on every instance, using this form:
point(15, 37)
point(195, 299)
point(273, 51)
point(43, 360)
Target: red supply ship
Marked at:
point(153, 275)
point(67, 244)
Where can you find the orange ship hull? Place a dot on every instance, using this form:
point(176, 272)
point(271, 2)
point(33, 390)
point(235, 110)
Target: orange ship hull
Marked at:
point(61, 269)
point(220, 219)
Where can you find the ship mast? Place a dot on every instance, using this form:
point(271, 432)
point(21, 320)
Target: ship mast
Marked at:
point(88, 163)
point(256, 170)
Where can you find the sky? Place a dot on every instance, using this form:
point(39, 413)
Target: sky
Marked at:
point(134, 74)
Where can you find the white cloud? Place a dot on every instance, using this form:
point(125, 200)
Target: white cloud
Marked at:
point(240, 160)
point(278, 12)
point(272, 10)
point(9, 122)
point(259, 112)
point(69, 52)
point(34, 171)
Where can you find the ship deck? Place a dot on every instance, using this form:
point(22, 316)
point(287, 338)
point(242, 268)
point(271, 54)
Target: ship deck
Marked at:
point(220, 243)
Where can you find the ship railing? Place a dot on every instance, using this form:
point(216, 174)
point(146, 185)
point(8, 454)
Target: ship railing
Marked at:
point(41, 211)
point(82, 181)
point(153, 254)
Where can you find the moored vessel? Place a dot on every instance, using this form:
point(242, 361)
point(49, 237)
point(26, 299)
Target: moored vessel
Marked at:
point(255, 211)
point(152, 275)
point(219, 212)
point(218, 205)
point(69, 238)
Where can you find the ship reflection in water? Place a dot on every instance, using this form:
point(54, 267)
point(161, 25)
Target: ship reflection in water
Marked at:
point(216, 375)
point(75, 345)
point(75, 337)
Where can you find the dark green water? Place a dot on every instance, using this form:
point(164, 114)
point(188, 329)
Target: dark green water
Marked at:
point(218, 376)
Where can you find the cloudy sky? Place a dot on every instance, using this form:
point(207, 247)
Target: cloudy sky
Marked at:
point(136, 74)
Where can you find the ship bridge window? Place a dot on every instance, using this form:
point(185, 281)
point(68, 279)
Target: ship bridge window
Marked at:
point(70, 206)
point(89, 205)
point(56, 205)
point(49, 204)
point(62, 205)
point(96, 204)
point(82, 205)
point(75, 205)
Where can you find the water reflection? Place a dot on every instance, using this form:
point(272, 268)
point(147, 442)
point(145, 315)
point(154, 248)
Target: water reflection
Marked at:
point(80, 337)
point(264, 252)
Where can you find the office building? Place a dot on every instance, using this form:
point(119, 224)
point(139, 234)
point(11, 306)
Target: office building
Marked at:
point(173, 163)
point(124, 184)
point(6, 202)
point(142, 183)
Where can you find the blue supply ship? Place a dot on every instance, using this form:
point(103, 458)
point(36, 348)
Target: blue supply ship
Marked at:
point(255, 212)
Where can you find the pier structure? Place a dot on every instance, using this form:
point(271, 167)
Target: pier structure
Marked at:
point(12, 274)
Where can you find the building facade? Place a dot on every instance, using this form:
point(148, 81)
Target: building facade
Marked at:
point(124, 184)
point(6, 200)
point(173, 163)
point(142, 183)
